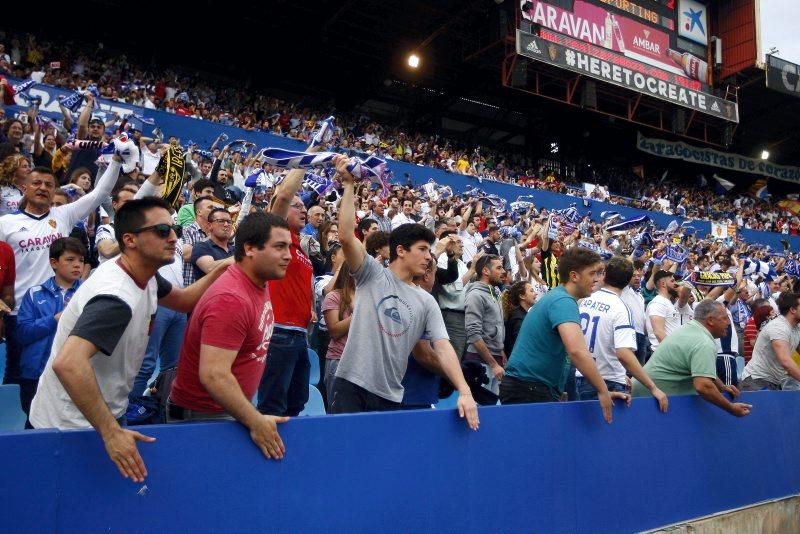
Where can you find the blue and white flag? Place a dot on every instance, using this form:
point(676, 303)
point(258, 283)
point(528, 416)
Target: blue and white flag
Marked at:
point(757, 267)
point(23, 86)
point(675, 253)
point(629, 224)
point(324, 134)
point(722, 185)
point(72, 101)
point(609, 215)
point(522, 205)
point(672, 227)
point(319, 184)
point(373, 168)
point(791, 268)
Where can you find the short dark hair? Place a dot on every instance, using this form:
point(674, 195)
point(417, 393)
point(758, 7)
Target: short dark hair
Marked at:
point(115, 196)
point(376, 241)
point(638, 265)
point(201, 184)
point(364, 224)
point(42, 170)
point(576, 259)
point(255, 230)
point(483, 262)
point(213, 212)
point(660, 275)
point(198, 200)
point(619, 271)
point(131, 216)
point(62, 245)
point(447, 233)
point(786, 301)
point(406, 235)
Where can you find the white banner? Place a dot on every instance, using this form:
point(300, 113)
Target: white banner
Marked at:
point(715, 158)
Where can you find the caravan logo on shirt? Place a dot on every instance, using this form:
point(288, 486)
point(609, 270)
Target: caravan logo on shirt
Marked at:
point(38, 243)
point(394, 316)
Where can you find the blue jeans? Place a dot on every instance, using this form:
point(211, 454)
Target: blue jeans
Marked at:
point(586, 390)
point(284, 384)
point(164, 345)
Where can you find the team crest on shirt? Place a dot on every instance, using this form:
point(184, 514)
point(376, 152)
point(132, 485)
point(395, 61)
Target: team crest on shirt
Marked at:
point(52, 223)
point(394, 316)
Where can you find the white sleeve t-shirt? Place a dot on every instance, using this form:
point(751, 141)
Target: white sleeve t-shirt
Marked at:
point(607, 326)
point(662, 307)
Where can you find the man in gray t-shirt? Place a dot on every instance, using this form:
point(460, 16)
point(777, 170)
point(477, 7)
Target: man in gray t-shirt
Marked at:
point(390, 316)
point(771, 366)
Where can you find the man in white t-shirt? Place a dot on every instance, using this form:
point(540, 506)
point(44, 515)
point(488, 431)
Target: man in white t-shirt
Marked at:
point(633, 299)
point(608, 329)
point(468, 232)
point(772, 366)
point(30, 231)
point(404, 217)
point(662, 315)
point(102, 334)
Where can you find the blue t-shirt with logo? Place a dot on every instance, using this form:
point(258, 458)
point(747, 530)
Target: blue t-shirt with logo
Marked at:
point(539, 353)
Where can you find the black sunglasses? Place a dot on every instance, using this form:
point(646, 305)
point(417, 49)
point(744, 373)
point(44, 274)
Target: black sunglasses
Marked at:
point(161, 230)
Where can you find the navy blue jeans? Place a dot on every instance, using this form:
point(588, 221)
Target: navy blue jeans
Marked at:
point(284, 384)
point(586, 391)
point(164, 345)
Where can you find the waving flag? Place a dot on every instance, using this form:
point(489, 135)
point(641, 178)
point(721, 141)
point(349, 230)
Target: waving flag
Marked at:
point(373, 168)
point(609, 215)
point(324, 134)
point(758, 267)
point(722, 185)
point(72, 101)
point(629, 224)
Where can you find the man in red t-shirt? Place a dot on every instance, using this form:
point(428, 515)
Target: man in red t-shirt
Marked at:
point(225, 345)
point(284, 386)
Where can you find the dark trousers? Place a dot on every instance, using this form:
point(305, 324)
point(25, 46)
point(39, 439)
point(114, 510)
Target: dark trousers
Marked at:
point(642, 348)
point(350, 398)
point(27, 389)
point(284, 384)
point(515, 391)
point(13, 351)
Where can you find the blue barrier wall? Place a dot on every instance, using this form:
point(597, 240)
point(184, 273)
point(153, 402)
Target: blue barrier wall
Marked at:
point(203, 133)
point(530, 468)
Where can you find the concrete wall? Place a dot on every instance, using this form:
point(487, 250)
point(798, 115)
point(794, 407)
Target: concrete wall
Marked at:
point(782, 515)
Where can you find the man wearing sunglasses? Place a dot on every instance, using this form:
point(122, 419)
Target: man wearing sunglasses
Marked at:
point(206, 255)
point(103, 333)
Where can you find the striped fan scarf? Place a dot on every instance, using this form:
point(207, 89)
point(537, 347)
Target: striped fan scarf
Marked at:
point(171, 167)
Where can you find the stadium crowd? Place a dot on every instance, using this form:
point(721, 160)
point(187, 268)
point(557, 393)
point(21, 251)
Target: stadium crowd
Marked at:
point(120, 79)
point(406, 295)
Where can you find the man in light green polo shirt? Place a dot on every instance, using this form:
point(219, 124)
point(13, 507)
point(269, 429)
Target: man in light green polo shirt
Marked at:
point(685, 362)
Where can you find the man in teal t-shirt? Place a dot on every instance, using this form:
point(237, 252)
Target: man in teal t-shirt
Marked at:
point(553, 330)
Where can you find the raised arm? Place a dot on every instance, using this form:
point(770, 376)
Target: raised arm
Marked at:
point(83, 119)
point(354, 250)
point(85, 205)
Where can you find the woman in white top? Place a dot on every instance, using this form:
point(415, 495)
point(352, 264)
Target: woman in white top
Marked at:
point(13, 171)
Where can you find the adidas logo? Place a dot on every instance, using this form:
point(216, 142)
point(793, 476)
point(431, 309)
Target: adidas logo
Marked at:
point(715, 107)
point(532, 47)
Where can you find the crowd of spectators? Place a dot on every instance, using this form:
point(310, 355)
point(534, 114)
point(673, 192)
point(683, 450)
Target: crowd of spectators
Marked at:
point(406, 296)
point(120, 79)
